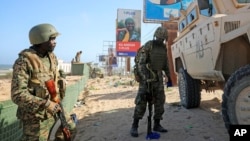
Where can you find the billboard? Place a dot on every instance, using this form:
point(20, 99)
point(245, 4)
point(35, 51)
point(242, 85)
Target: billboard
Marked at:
point(157, 11)
point(102, 58)
point(112, 59)
point(128, 32)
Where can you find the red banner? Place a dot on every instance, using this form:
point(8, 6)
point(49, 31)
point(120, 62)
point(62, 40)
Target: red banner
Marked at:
point(127, 46)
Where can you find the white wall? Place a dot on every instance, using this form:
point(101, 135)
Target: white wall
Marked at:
point(66, 67)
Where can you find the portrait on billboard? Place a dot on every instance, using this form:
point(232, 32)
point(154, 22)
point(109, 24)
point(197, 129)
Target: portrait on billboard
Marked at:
point(128, 26)
point(128, 32)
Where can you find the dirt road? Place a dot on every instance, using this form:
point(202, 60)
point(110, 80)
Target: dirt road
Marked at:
point(106, 108)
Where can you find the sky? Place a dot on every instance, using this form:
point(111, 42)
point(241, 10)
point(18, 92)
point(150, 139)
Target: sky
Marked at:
point(85, 25)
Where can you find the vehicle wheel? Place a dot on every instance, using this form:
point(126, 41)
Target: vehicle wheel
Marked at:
point(189, 90)
point(236, 98)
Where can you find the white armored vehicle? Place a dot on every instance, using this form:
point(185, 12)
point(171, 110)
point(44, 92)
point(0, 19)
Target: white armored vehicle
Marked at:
point(212, 52)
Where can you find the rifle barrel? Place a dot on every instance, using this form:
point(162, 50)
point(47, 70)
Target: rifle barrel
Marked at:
point(149, 130)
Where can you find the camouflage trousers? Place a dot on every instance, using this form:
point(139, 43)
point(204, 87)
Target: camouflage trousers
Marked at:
point(37, 130)
point(157, 90)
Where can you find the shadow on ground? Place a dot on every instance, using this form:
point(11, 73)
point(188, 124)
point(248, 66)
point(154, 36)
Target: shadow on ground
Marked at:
point(200, 124)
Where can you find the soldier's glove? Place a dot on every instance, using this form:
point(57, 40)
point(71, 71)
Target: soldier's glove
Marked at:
point(52, 107)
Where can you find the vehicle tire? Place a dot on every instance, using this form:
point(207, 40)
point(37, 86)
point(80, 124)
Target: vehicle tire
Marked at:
point(236, 98)
point(189, 90)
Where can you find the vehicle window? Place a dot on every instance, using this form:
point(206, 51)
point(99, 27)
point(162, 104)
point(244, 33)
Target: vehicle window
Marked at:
point(206, 7)
point(182, 24)
point(191, 16)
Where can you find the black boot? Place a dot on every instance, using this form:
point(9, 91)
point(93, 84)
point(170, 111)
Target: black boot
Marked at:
point(158, 127)
point(133, 130)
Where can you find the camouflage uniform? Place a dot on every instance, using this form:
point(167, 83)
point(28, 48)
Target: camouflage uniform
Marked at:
point(157, 86)
point(152, 61)
point(28, 91)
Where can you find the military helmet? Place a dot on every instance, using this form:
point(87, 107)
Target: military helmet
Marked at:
point(41, 33)
point(161, 32)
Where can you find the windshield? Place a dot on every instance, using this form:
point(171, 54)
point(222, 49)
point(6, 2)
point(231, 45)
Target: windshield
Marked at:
point(243, 1)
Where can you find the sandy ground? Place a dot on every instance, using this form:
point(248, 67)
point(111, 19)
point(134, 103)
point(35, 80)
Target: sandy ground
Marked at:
point(105, 108)
point(5, 89)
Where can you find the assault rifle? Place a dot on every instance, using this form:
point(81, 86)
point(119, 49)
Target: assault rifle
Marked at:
point(60, 117)
point(149, 96)
point(149, 99)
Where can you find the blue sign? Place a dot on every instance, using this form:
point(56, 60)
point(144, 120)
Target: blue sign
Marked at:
point(159, 10)
point(126, 54)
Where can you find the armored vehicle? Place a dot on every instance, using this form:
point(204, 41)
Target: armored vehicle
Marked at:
point(212, 52)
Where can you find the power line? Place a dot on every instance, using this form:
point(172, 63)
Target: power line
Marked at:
point(147, 36)
point(149, 33)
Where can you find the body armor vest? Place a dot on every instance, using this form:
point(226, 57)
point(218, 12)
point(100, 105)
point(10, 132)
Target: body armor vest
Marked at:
point(157, 57)
point(41, 70)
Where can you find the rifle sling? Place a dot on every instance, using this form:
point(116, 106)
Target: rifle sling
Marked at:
point(53, 130)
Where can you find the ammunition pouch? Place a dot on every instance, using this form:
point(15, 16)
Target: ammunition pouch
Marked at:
point(37, 89)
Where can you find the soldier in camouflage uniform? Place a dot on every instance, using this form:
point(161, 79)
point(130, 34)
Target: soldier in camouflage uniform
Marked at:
point(151, 63)
point(31, 70)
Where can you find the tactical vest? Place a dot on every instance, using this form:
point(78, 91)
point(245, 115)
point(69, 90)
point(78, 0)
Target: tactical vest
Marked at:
point(157, 57)
point(39, 71)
